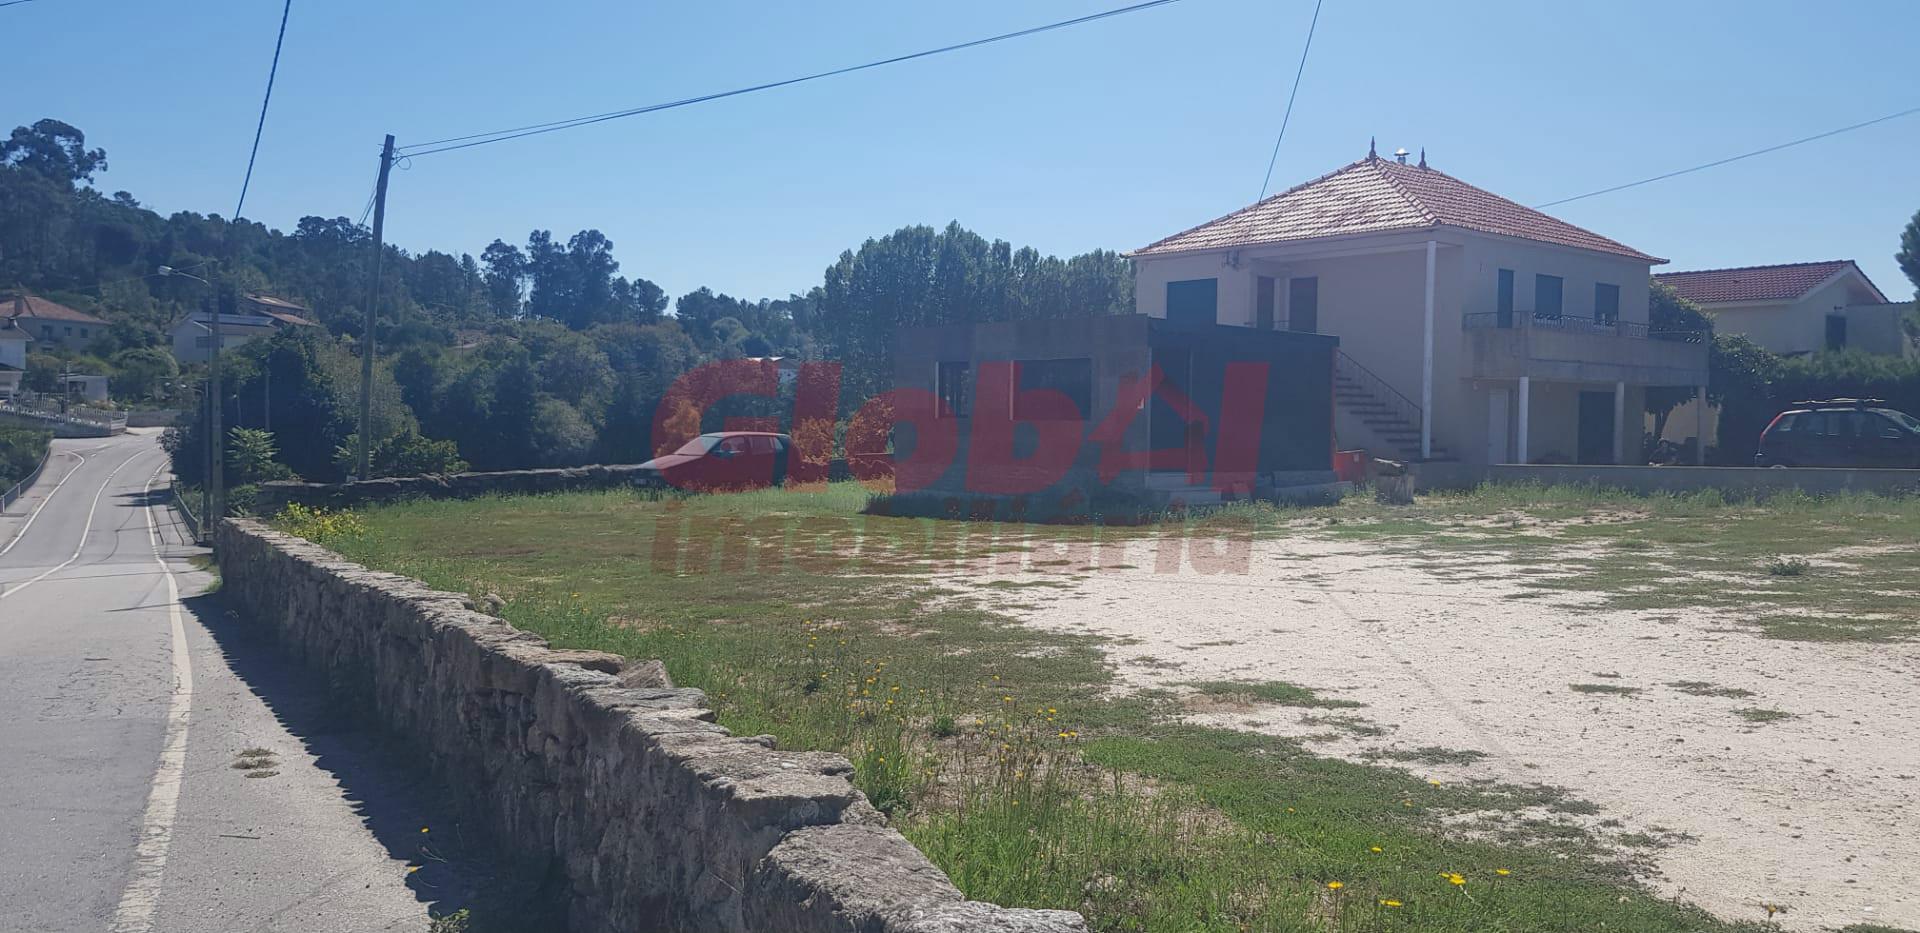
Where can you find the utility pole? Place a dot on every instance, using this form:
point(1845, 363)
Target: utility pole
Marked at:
point(217, 475)
point(373, 310)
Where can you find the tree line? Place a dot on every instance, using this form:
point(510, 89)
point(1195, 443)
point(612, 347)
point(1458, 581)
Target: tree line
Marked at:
point(536, 354)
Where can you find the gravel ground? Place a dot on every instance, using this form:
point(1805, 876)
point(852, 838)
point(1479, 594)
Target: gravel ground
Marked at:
point(1815, 813)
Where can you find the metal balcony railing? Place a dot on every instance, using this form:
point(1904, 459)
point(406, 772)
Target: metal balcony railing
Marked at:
point(1522, 320)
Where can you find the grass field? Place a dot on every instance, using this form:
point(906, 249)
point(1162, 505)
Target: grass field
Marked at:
point(1003, 751)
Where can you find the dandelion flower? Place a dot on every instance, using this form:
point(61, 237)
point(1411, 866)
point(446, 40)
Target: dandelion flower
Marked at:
point(1335, 885)
point(1455, 878)
point(1374, 849)
point(1389, 902)
point(1502, 872)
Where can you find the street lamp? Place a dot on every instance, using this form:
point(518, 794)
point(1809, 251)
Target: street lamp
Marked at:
point(212, 498)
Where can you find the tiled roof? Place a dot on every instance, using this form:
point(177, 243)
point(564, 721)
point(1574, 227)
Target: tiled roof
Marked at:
point(1757, 283)
point(42, 309)
point(1376, 195)
point(280, 309)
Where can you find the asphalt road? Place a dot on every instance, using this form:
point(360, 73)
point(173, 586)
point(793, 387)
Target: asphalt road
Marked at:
point(126, 802)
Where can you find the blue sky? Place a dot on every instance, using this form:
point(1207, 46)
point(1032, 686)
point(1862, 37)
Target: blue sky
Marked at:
point(1107, 135)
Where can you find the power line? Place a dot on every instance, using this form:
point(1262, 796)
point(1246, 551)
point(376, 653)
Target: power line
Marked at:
point(14, 2)
point(261, 128)
point(1744, 155)
point(1284, 120)
point(481, 139)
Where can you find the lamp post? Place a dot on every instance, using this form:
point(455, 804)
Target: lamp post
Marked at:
point(212, 501)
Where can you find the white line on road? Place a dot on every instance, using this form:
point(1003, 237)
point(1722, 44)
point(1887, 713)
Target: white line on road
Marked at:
point(43, 503)
point(84, 529)
point(142, 895)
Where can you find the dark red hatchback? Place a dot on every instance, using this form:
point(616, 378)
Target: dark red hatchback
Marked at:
point(721, 460)
point(1841, 432)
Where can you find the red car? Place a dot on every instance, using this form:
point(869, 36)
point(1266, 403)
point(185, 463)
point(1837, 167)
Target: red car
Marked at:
point(718, 461)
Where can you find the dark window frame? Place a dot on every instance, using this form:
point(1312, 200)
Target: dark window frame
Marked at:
point(1187, 297)
point(1540, 293)
point(1071, 376)
point(1606, 303)
point(953, 386)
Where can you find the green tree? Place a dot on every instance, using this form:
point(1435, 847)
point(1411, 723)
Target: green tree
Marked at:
point(53, 149)
point(1909, 255)
point(253, 458)
point(1668, 313)
point(144, 373)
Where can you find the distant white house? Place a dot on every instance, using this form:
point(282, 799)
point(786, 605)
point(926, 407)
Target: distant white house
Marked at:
point(52, 323)
point(1799, 308)
point(257, 316)
point(13, 357)
point(1471, 327)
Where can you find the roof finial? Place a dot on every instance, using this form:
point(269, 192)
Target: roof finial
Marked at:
point(1423, 157)
point(1372, 154)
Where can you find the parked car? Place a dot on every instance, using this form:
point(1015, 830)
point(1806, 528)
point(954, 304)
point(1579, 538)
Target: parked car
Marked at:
point(1841, 432)
point(719, 461)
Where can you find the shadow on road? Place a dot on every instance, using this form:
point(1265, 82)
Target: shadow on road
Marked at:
point(389, 788)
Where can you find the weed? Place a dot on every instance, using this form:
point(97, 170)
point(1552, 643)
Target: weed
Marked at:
point(1757, 714)
point(1788, 566)
point(1611, 689)
point(1276, 692)
point(1701, 688)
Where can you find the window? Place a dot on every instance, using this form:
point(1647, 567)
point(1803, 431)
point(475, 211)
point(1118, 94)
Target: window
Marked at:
point(762, 445)
point(1072, 378)
point(1303, 305)
point(954, 389)
point(1903, 419)
point(69, 331)
point(46, 331)
point(1193, 302)
point(1503, 299)
point(1546, 295)
point(1786, 422)
point(1836, 331)
point(732, 446)
point(1263, 303)
point(1606, 303)
point(83, 332)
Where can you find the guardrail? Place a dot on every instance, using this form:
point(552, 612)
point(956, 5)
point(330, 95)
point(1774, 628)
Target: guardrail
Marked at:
point(96, 424)
point(13, 495)
point(1566, 323)
point(186, 512)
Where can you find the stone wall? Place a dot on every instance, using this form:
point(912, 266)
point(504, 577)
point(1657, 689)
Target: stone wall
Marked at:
point(598, 770)
point(275, 496)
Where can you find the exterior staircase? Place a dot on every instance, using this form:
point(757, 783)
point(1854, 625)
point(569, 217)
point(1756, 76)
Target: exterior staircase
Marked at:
point(1387, 414)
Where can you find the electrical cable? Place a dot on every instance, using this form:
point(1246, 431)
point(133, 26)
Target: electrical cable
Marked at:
point(1284, 120)
point(1744, 155)
point(481, 139)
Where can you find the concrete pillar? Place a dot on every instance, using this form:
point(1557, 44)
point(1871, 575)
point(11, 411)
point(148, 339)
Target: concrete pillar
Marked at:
point(1426, 364)
point(1700, 427)
point(1520, 435)
point(1619, 422)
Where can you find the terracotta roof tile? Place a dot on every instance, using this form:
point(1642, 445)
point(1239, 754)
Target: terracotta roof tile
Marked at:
point(39, 308)
point(1753, 283)
point(1377, 195)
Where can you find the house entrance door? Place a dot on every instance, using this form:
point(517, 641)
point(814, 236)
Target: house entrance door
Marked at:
point(1596, 427)
point(1499, 443)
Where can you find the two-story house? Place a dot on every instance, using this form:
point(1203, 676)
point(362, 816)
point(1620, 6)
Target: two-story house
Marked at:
point(13, 357)
point(257, 316)
point(1800, 307)
point(51, 323)
point(1471, 327)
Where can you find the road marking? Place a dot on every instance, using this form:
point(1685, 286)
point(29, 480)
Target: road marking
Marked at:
point(85, 529)
point(43, 503)
point(142, 895)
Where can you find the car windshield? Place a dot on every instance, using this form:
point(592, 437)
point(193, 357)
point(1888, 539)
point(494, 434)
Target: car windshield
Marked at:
point(1903, 419)
point(699, 445)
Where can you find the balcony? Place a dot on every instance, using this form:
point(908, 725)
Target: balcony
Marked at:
point(1576, 349)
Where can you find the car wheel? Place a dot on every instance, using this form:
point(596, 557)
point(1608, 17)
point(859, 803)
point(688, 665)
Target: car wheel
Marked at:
point(1777, 466)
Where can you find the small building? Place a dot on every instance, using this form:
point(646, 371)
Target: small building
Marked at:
point(51, 323)
point(1106, 413)
point(257, 316)
point(83, 387)
point(1471, 327)
point(1798, 308)
point(13, 357)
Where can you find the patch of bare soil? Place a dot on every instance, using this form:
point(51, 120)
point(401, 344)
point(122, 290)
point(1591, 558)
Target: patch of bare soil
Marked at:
point(1818, 812)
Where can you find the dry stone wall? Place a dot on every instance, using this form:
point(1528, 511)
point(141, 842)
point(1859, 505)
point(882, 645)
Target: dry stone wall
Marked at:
point(601, 771)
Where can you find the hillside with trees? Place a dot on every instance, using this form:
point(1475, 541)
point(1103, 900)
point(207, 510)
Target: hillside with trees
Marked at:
point(535, 353)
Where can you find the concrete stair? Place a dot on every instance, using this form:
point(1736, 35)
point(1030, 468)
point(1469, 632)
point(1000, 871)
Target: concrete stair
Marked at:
point(1384, 421)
